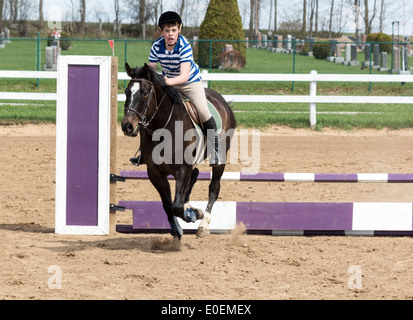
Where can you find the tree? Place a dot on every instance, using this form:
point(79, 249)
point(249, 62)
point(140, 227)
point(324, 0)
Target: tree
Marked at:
point(254, 18)
point(357, 16)
point(222, 22)
point(181, 8)
point(382, 15)
point(117, 20)
point(142, 21)
point(41, 19)
point(316, 19)
point(82, 15)
point(304, 18)
point(331, 19)
point(1, 13)
point(257, 16)
point(13, 10)
point(312, 7)
point(368, 21)
point(252, 9)
point(141, 12)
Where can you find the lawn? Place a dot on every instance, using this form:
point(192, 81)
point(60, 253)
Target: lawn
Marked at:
point(21, 55)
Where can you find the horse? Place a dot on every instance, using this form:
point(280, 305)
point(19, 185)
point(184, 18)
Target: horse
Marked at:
point(150, 107)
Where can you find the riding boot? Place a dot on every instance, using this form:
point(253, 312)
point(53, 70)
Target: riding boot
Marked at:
point(214, 146)
point(137, 161)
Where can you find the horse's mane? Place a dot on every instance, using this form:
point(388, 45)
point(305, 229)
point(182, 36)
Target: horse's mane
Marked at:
point(173, 93)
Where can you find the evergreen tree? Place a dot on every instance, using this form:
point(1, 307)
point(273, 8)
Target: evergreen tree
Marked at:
point(222, 22)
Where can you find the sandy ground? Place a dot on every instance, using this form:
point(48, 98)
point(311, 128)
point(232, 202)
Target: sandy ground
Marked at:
point(230, 266)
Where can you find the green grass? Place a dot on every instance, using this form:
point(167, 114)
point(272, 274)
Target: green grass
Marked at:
point(21, 55)
point(27, 112)
point(294, 115)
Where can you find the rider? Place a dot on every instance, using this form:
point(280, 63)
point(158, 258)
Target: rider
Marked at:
point(174, 53)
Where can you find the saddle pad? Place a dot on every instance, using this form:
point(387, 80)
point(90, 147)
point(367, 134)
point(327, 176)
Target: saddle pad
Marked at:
point(200, 136)
point(214, 114)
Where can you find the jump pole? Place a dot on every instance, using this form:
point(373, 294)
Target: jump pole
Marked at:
point(287, 218)
point(86, 115)
point(284, 218)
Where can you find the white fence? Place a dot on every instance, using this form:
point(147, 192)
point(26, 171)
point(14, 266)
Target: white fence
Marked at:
point(312, 78)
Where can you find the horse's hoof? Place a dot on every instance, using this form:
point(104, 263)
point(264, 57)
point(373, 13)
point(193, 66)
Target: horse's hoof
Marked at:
point(176, 234)
point(202, 232)
point(189, 215)
point(199, 214)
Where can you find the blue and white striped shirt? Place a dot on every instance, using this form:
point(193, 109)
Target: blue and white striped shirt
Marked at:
point(171, 61)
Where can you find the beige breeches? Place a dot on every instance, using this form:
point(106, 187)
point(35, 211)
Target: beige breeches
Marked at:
point(196, 93)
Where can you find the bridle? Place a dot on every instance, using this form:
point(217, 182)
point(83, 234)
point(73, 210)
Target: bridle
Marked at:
point(143, 119)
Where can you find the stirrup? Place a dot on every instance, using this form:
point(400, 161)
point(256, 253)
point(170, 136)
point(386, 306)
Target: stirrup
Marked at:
point(216, 157)
point(137, 161)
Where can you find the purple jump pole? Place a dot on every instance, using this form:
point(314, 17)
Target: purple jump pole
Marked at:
point(285, 218)
point(293, 177)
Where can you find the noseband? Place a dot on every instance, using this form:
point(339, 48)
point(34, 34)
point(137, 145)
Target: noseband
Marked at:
point(143, 119)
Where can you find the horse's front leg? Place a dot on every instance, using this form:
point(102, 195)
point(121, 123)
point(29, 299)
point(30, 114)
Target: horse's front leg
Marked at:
point(185, 179)
point(161, 184)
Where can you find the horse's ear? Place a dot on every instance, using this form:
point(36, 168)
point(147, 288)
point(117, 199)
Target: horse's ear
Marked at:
point(129, 70)
point(147, 72)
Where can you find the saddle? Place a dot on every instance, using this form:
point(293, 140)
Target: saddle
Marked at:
point(193, 113)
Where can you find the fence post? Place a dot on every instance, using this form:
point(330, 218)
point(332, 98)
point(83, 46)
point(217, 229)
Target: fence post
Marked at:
point(38, 56)
point(313, 93)
point(126, 60)
point(371, 63)
point(210, 61)
point(204, 82)
point(293, 43)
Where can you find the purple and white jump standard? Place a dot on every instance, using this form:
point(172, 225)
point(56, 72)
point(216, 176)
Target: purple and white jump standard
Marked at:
point(83, 145)
point(289, 218)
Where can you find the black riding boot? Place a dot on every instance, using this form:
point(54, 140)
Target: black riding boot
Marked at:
point(213, 142)
point(138, 160)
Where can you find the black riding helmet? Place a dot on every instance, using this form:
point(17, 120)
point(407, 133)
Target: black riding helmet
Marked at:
point(169, 16)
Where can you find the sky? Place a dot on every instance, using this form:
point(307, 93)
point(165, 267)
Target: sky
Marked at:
point(399, 10)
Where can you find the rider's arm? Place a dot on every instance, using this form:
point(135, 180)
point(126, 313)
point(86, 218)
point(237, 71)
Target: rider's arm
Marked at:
point(182, 78)
point(153, 65)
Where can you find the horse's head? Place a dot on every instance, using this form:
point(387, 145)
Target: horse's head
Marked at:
point(139, 95)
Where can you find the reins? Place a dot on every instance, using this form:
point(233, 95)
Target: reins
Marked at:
point(143, 120)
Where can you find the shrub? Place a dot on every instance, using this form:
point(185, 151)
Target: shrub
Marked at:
point(381, 38)
point(305, 49)
point(321, 50)
point(231, 61)
point(222, 22)
point(64, 44)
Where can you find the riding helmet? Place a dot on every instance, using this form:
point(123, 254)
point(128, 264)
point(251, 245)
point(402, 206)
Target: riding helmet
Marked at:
point(169, 16)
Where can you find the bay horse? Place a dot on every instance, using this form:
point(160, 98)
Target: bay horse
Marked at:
point(152, 106)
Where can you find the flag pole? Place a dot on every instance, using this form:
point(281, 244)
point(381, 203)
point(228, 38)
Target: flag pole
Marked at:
point(112, 45)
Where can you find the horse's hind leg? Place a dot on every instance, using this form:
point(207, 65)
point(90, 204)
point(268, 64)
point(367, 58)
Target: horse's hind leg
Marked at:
point(214, 187)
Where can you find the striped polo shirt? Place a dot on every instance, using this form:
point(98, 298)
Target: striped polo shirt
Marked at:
point(171, 61)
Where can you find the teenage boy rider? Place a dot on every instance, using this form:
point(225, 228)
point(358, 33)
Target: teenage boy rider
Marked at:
point(174, 53)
